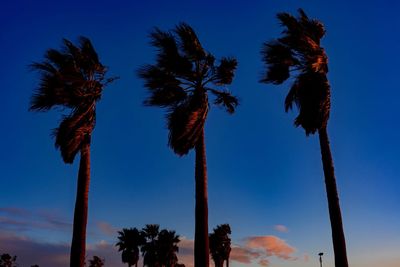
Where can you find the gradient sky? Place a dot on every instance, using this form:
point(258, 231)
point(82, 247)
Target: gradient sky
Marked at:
point(265, 176)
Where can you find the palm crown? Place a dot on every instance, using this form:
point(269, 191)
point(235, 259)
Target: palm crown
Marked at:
point(180, 81)
point(298, 51)
point(72, 77)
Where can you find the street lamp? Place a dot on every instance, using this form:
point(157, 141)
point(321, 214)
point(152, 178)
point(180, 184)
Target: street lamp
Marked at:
point(320, 258)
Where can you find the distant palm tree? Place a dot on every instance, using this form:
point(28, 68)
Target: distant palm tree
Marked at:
point(96, 262)
point(167, 245)
point(220, 245)
point(150, 246)
point(180, 82)
point(129, 242)
point(73, 78)
point(6, 260)
point(299, 53)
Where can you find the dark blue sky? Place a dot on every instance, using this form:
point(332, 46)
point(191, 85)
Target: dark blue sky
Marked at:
point(263, 171)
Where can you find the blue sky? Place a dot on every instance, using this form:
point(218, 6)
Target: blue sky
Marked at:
point(262, 171)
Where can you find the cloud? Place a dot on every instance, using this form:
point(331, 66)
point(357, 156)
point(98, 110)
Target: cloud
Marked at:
point(272, 245)
point(243, 254)
point(30, 252)
point(17, 219)
point(281, 228)
point(107, 228)
point(186, 252)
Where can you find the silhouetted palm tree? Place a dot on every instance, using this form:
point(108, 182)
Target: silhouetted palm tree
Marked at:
point(129, 242)
point(220, 245)
point(299, 53)
point(180, 81)
point(73, 78)
point(167, 247)
point(150, 247)
point(6, 260)
point(96, 262)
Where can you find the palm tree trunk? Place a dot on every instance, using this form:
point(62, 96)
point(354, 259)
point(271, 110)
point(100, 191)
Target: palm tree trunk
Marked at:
point(201, 248)
point(78, 246)
point(339, 242)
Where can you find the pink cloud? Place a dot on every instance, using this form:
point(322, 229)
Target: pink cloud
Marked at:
point(272, 245)
point(107, 228)
point(281, 228)
point(243, 254)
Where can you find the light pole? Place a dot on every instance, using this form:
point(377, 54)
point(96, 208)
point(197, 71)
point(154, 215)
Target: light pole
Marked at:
point(320, 258)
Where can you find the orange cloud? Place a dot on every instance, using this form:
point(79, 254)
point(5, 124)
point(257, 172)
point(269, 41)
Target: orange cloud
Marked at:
point(272, 245)
point(243, 255)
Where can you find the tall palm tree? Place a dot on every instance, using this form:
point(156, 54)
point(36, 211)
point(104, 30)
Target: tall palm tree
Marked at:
point(129, 242)
point(73, 78)
point(149, 249)
point(167, 247)
point(298, 52)
point(220, 245)
point(181, 81)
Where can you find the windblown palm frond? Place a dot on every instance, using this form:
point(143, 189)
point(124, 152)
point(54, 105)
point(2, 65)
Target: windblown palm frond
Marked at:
point(178, 81)
point(298, 51)
point(186, 122)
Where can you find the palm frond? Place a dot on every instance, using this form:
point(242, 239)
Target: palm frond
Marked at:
point(279, 58)
point(186, 122)
point(73, 132)
point(313, 96)
point(189, 42)
point(292, 97)
point(168, 57)
point(225, 99)
point(225, 71)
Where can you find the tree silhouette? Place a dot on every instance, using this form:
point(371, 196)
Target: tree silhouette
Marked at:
point(96, 262)
point(129, 242)
point(298, 53)
point(180, 81)
point(150, 247)
point(73, 78)
point(220, 245)
point(6, 260)
point(167, 247)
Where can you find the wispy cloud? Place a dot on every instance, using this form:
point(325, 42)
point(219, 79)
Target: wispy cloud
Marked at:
point(107, 228)
point(30, 251)
point(244, 254)
point(281, 228)
point(18, 219)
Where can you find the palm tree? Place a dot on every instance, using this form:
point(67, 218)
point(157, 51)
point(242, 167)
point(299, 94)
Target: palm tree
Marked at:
point(96, 262)
point(299, 53)
point(167, 247)
point(180, 81)
point(6, 260)
point(220, 245)
point(73, 78)
point(129, 242)
point(149, 249)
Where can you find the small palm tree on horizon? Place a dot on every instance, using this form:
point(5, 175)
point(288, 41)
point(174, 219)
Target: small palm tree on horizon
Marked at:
point(96, 262)
point(129, 242)
point(181, 81)
point(298, 53)
point(73, 78)
point(220, 245)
